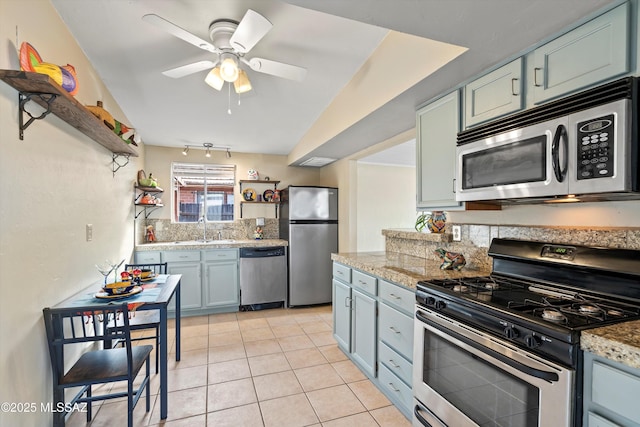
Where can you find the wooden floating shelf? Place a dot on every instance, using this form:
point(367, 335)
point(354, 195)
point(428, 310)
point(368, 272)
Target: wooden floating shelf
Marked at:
point(67, 108)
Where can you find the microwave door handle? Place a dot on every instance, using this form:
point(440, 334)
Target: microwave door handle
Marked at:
point(560, 172)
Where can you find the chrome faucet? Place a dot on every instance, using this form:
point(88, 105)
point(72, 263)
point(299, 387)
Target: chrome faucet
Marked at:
point(203, 220)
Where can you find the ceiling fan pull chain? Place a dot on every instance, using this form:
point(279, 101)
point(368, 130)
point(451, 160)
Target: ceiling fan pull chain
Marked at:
point(229, 99)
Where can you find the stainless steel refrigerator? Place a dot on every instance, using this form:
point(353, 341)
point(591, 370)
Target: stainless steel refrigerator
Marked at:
point(309, 221)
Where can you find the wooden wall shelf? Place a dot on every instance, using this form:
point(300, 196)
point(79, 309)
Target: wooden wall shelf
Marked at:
point(66, 107)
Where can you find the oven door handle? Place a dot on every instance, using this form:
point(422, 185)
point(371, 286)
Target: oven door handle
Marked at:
point(420, 418)
point(547, 376)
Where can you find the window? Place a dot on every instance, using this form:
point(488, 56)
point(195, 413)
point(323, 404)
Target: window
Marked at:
point(199, 188)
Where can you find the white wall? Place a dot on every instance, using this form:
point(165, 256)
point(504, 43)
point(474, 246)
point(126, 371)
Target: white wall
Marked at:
point(52, 184)
point(385, 199)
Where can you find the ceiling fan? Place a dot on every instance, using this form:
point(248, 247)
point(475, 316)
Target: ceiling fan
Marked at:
point(230, 41)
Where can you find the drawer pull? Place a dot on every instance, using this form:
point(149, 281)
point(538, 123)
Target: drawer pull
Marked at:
point(394, 364)
point(339, 272)
point(393, 387)
point(362, 282)
point(394, 330)
point(395, 296)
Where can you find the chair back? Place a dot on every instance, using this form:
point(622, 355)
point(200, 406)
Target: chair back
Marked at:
point(78, 327)
point(158, 268)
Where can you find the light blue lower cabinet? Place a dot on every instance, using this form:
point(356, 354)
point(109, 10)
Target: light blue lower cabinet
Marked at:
point(210, 279)
point(363, 329)
point(376, 331)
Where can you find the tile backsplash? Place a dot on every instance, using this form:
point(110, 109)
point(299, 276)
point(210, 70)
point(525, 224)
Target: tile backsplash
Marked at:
point(477, 238)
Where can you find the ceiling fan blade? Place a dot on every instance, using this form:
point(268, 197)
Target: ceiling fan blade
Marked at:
point(278, 69)
point(185, 70)
point(173, 29)
point(250, 31)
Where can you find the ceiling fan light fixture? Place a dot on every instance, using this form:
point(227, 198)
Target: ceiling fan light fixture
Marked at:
point(214, 79)
point(242, 83)
point(229, 68)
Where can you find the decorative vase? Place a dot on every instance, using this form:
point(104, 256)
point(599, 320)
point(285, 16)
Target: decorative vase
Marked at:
point(437, 221)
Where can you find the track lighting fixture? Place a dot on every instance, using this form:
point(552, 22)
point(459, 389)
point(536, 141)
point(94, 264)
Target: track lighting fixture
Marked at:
point(208, 146)
point(186, 150)
point(228, 154)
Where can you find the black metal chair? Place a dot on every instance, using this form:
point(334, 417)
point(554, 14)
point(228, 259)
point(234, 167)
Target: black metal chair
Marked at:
point(144, 319)
point(70, 331)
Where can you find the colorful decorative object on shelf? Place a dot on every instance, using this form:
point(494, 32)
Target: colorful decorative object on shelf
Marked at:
point(249, 194)
point(64, 75)
point(253, 174)
point(258, 234)
point(143, 181)
point(451, 260)
point(123, 131)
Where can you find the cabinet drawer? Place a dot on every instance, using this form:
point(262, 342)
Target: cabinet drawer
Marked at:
point(342, 272)
point(396, 330)
point(364, 282)
point(404, 299)
point(394, 387)
point(180, 256)
point(395, 363)
point(220, 254)
point(147, 257)
point(616, 390)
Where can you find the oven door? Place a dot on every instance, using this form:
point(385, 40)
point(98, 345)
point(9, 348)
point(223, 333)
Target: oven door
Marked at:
point(463, 377)
point(523, 163)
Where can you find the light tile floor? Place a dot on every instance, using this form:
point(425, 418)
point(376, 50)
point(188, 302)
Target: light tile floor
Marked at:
point(271, 368)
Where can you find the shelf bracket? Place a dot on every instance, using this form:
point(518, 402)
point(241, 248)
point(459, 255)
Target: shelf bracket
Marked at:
point(115, 165)
point(147, 211)
point(23, 98)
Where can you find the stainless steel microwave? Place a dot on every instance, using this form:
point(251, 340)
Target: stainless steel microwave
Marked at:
point(584, 147)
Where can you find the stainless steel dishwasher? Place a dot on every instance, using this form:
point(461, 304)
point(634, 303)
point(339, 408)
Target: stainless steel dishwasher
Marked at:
point(263, 277)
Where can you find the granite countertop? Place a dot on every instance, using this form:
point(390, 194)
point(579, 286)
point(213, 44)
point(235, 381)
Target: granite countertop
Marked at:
point(399, 268)
point(620, 343)
point(212, 244)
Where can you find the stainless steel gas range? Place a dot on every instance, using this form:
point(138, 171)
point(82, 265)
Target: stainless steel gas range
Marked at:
point(504, 349)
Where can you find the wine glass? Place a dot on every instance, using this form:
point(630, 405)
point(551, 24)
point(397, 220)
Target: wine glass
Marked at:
point(114, 268)
point(105, 268)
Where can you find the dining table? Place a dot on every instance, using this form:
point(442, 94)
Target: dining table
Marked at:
point(156, 294)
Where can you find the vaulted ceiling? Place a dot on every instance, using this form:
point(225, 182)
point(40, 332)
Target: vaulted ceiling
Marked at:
point(370, 64)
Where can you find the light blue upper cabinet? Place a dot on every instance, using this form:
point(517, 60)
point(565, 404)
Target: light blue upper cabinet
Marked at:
point(592, 53)
point(437, 127)
point(495, 94)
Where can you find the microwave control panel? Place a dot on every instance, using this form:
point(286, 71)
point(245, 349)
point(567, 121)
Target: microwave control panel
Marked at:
point(595, 148)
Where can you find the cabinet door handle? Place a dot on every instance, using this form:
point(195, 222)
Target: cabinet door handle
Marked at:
point(393, 387)
point(514, 92)
point(394, 364)
point(453, 182)
point(535, 76)
point(347, 302)
point(394, 296)
point(395, 331)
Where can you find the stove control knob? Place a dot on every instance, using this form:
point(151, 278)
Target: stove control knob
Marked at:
point(532, 341)
point(440, 305)
point(511, 332)
point(430, 300)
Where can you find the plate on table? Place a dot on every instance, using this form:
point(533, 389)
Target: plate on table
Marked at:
point(150, 277)
point(249, 194)
point(103, 295)
point(267, 196)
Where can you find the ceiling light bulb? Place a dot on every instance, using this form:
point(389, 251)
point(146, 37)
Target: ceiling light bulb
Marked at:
point(214, 79)
point(242, 84)
point(229, 69)
point(185, 151)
